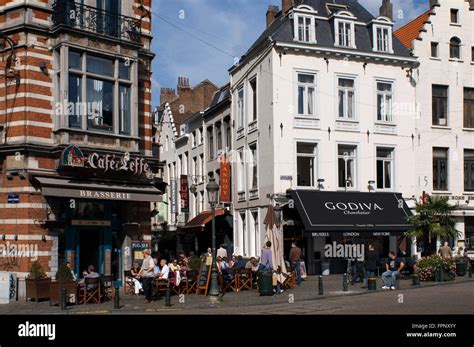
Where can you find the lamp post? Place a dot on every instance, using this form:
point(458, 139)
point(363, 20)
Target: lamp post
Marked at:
point(212, 190)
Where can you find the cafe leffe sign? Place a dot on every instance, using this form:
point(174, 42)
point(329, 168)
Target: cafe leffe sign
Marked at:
point(72, 156)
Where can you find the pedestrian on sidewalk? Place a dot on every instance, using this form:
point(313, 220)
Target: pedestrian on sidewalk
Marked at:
point(295, 260)
point(371, 261)
point(393, 266)
point(146, 272)
point(445, 251)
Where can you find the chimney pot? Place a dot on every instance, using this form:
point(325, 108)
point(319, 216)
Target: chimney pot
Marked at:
point(271, 14)
point(386, 10)
point(286, 5)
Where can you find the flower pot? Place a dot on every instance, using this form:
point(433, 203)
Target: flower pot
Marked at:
point(442, 275)
point(37, 289)
point(55, 292)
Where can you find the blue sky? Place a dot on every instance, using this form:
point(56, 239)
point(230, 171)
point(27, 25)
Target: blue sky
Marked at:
point(199, 39)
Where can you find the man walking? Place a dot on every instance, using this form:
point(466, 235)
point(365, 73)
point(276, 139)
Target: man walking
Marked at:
point(445, 251)
point(295, 260)
point(371, 260)
point(146, 272)
point(393, 266)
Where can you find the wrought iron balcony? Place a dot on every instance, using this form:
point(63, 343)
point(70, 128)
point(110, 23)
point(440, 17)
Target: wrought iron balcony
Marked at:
point(74, 15)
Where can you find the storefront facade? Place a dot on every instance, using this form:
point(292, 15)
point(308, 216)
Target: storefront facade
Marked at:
point(338, 226)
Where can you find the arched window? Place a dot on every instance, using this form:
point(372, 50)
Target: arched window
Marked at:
point(455, 48)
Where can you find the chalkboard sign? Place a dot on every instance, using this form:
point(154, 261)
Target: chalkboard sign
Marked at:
point(204, 277)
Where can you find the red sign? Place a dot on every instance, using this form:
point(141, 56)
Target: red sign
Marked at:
point(225, 179)
point(183, 193)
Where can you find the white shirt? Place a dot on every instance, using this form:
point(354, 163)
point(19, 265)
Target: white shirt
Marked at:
point(221, 252)
point(165, 271)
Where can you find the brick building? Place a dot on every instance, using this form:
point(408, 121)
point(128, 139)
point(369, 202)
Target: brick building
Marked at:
point(77, 172)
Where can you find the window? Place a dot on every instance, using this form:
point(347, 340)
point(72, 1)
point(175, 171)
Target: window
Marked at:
point(469, 170)
point(472, 53)
point(306, 164)
point(385, 168)
point(201, 168)
point(240, 171)
point(440, 105)
point(228, 136)
point(344, 35)
point(193, 139)
point(347, 166)
point(219, 136)
point(94, 81)
point(384, 101)
point(469, 107)
point(184, 164)
point(434, 49)
point(440, 168)
point(306, 94)
point(346, 96)
point(210, 142)
point(256, 234)
point(243, 225)
point(253, 100)
point(240, 107)
point(125, 110)
point(195, 168)
point(454, 16)
point(253, 167)
point(455, 48)
point(383, 39)
point(305, 29)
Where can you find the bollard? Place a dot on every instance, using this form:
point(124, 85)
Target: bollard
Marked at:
point(416, 280)
point(372, 283)
point(168, 296)
point(441, 279)
point(344, 283)
point(320, 286)
point(470, 269)
point(63, 301)
point(116, 298)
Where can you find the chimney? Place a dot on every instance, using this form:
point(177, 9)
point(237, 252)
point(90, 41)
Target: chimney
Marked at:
point(167, 95)
point(434, 3)
point(183, 85)
point(386, 9)
point(286, 5)
point(271, 14)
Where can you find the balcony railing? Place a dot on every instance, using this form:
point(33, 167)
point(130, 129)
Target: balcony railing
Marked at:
point(81, 17)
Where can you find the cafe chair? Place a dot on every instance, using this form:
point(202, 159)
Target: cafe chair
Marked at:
point(107, 282)
point(232, 282)
point(290, 281)
point(245, 279)
point(160, 285)
point(91, 291)
point(190, 279)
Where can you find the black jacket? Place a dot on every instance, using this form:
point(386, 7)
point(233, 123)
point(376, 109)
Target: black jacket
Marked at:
point(371, 260)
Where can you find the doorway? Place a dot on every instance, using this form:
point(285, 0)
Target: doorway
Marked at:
point(90, 242)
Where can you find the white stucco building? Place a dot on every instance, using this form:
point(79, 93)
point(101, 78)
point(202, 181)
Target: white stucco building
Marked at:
point(324, 100)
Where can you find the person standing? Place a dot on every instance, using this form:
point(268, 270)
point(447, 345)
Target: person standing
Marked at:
point(266, 261)
point(146, 272)
point(295, 260)
point(371, 261)
point(445, 251)
point(222, 252)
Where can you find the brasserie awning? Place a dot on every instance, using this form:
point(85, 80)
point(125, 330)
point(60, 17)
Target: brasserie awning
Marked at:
point(86, 189)
point(351, 211)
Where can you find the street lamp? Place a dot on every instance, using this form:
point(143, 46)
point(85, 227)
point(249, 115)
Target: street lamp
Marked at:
point(371, 185)
point(212, 190)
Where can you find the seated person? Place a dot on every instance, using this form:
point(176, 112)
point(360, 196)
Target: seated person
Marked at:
point(74, 277)
point(239, 263)
point(393, 266)
point(219, 264)
point(137, 284)
point(156, 268)
point(232, 261)
point(174, 266)
point(165, 270)
point(89, 273)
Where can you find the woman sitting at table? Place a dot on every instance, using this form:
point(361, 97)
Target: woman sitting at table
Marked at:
point(174, 266)
point(137, 284)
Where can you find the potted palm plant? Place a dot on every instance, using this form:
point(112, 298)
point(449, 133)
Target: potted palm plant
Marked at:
point(37, 283)
point(433, 219)
point(64, 279)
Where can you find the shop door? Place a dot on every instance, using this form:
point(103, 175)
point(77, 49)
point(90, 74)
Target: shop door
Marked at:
point(90, 244)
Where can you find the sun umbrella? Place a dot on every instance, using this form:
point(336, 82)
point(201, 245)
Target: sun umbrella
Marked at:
point(274, 234)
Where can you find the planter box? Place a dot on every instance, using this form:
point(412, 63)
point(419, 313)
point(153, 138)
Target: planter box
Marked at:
point(445, 276)
point(37, 289)
point(55, 292)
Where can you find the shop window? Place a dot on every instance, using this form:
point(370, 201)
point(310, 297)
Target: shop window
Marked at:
point(306, 164)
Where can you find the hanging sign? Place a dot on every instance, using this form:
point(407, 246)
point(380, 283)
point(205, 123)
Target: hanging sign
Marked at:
point(225, 177)
point(184, 193)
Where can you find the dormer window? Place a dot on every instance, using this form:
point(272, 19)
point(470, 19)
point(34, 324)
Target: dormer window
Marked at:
point(304, 24)
point(382, 35)
point(344, 29)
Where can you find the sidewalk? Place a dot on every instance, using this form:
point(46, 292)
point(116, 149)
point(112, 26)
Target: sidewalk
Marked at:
point(193, 304)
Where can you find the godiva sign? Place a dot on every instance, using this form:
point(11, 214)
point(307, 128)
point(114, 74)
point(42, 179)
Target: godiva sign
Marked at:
point(72, 156)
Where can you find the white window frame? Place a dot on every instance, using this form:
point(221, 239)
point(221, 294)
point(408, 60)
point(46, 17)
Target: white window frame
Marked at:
point(305, 113)
point(306, 13)
point(389, 43)
point(255, 215)
point(251, 101)
point(392, 167)
point(250, 166)
point(356, 166)
point(243, 224)
point(354, 108)
point(241, 181)
point(306, 155)
point(344, 18)
point(437, 49)
point(458, 16)
point(389, 119)
point(240, 107)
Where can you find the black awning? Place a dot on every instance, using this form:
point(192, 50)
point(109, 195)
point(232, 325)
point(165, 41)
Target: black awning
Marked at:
point(351, 211)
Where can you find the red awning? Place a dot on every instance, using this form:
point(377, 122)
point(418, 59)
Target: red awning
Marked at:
point(200, 221)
